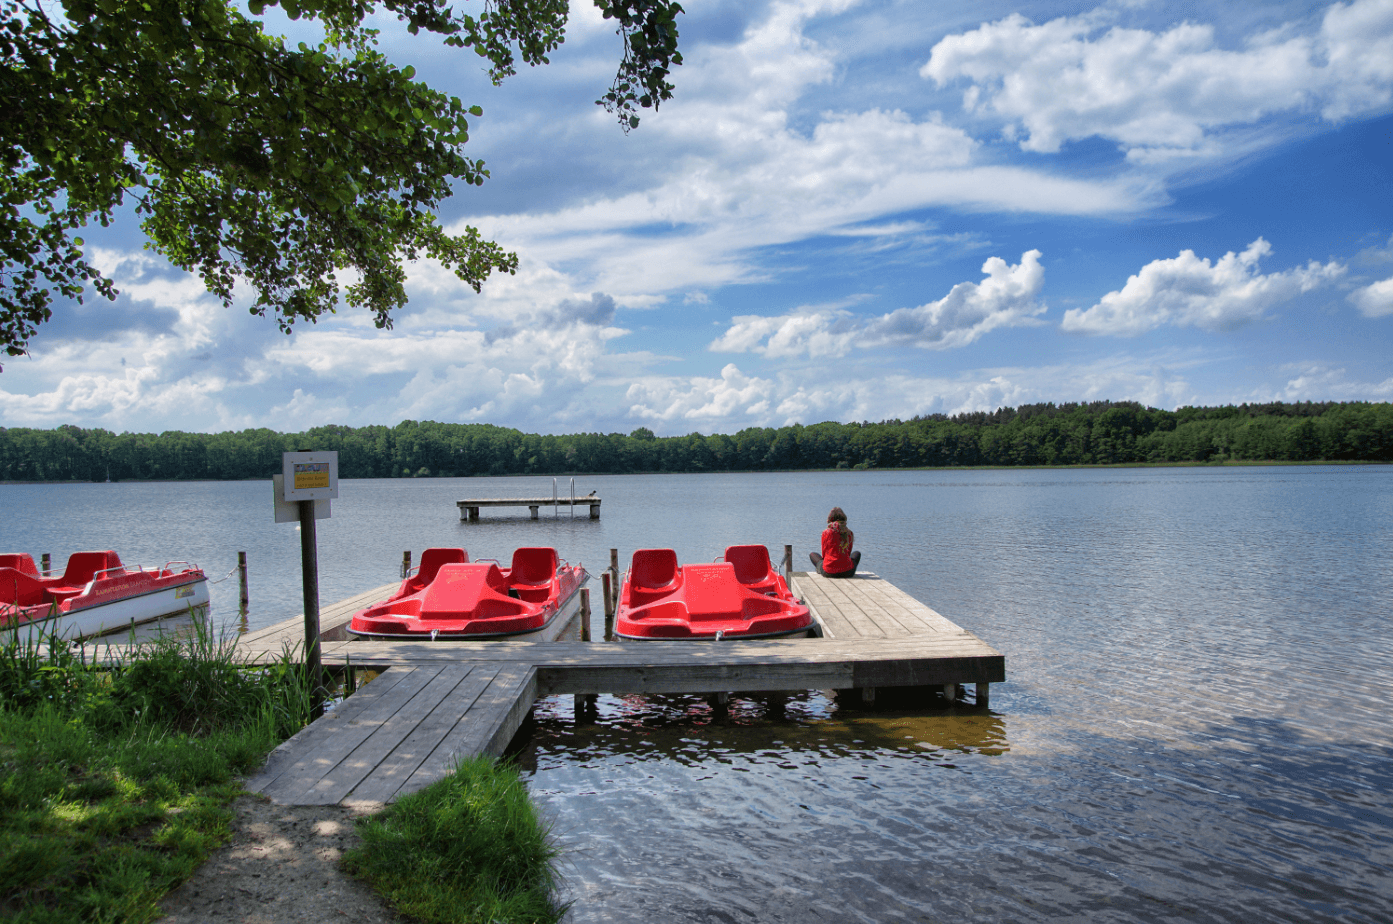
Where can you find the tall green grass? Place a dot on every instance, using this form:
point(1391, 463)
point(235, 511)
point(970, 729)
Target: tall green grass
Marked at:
point(468, 849)
point(116, 780)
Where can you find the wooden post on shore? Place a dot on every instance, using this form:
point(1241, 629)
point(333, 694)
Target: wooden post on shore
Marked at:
point(405, 564)
point(788, 562)
point(309, 563)
point(43, 564)
point(242, 598)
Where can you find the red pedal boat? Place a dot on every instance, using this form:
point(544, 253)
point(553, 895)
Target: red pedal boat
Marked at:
point(451, 597)
point(95, 594)
point(741, 596)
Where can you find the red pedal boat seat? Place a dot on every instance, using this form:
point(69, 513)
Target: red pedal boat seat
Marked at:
point(753, 568)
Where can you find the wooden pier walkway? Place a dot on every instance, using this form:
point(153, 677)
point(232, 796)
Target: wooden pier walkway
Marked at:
point(435, 702)
point(469, 509)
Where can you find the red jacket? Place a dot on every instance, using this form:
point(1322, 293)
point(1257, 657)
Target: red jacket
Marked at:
point(835, 557)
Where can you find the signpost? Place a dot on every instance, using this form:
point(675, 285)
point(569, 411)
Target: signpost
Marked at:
point(303, 489)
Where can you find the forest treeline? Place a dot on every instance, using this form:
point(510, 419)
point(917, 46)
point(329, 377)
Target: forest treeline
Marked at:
point(1100, 432)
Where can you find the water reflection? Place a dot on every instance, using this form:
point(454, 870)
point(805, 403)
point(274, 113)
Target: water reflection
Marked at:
point(684, 728)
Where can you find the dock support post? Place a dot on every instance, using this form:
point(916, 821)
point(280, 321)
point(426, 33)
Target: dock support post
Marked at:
point(788, 562)
point(594, 511)
point(984, 694)
point(242, 598)
point(607, 585)
point(867, 696)
point(585, 708)
point(405, 564)
point(950, 692)
point(474, 514)
point(532, 509)
point(585, 614)
point(43, 564)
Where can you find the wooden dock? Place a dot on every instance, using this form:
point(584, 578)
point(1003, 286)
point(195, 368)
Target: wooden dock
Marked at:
point(435, 702)
point(469, 509)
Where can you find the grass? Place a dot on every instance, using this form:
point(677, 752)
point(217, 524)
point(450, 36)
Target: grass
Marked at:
point(468, 849)
point(116, 782)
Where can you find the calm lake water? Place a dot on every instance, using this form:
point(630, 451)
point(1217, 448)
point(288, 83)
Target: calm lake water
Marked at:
point(1195, 727)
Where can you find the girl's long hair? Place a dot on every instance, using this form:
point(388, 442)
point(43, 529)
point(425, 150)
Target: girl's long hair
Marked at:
point(837, 519)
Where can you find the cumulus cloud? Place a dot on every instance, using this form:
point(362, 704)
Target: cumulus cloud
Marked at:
point(701, 399)
point(1008, 297)
point(1321, 382)
point(1165, 94)
point(736, 400)
point(1186, 291)
point(1374, 301)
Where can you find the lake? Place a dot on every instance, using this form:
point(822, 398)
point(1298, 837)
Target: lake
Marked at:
point(1195, 725)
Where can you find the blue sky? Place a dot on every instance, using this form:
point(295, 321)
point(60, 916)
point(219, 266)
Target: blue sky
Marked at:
point(850, 211)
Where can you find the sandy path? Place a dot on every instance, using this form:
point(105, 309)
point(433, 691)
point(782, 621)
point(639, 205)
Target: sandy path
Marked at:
point(280, 866)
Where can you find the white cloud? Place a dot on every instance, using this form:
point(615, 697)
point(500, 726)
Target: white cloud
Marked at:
point(1374, 301)
point(1165, 94)
point(701, 399)
point(736, 400)
point(819, 333)
point(1316, 381)
point(1008, 297)
point(1189, 292)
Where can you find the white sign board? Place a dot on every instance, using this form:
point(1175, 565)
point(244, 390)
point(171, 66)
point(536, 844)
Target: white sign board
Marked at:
point(288, 512)
point(310, 475)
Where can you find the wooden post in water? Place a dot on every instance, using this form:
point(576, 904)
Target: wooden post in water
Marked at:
point(585, 614)
point(309, 564)
point(242, 598)
point(43, 564)
point(585, 702)
point(608, 580)
point(614, 587)
point(405, 564)
point(607, 586)
point(788, 562)
point(984, 694)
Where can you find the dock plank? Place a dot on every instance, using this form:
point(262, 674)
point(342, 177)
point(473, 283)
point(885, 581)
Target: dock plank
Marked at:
point(290, 750)
point(338, 738)
point(385, 739)
point(387, 779)
point(290, 633)
point(506, 702)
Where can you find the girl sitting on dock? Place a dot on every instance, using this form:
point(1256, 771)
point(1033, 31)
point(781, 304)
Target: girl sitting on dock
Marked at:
point(837, 559)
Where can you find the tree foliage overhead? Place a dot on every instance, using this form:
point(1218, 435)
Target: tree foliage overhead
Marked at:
point(248, 159)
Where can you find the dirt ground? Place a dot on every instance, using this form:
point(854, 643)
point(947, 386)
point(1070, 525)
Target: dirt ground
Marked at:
point(281, 866)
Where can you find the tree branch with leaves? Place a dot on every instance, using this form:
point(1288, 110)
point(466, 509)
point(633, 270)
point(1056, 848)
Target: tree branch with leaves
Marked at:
point(252, 161)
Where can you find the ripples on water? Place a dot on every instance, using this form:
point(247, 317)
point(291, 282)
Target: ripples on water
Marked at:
point(1194, 728)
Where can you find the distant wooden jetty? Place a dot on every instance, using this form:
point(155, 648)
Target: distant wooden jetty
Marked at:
point(436, 702)
point(469, 509)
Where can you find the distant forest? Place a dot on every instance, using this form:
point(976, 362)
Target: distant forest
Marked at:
point(1101, 432)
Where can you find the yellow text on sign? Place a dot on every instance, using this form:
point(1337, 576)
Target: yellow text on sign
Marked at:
point(311, 475)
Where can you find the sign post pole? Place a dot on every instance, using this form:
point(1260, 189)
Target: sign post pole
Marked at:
point(308, 481)
point(309, 565)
